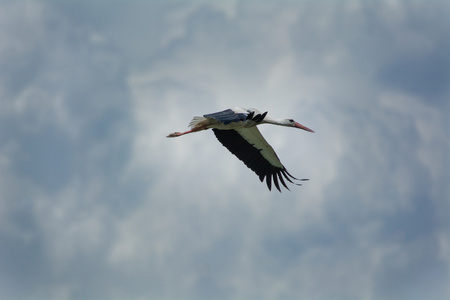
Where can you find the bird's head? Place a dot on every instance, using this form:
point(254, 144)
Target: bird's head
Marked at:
point(292, 123)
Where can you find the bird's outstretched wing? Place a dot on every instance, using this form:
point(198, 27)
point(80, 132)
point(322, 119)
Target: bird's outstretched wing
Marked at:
point(227, 116)
point(230, 116)
point(250, 147)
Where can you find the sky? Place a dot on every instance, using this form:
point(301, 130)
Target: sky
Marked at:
point(96, 202)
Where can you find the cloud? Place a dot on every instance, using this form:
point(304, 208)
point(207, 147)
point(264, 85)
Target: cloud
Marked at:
point(97, 203)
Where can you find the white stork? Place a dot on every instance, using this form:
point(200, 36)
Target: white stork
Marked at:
point(236, 130)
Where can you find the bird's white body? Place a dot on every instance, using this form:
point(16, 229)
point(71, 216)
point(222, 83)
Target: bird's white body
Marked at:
point(214, 123)
point(236, 130)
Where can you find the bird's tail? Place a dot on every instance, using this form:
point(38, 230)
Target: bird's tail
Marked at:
point(197, 121)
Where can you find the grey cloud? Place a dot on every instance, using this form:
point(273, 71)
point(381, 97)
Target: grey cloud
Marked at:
point(97, 203)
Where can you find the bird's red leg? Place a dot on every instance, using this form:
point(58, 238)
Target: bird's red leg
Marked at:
point(195, 129)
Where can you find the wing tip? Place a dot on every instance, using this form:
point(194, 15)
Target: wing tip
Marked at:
point(277, 177)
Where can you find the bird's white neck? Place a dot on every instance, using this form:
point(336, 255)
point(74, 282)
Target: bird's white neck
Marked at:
point(281, 122)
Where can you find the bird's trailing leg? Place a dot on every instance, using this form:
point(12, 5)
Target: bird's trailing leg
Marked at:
point(195, 129)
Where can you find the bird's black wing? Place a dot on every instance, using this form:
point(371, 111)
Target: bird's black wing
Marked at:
point(227, 116)
point(250, 147)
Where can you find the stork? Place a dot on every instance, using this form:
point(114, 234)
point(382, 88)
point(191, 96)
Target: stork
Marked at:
point(236, 130)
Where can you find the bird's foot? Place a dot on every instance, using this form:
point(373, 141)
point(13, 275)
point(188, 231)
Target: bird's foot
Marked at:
point(175, 134)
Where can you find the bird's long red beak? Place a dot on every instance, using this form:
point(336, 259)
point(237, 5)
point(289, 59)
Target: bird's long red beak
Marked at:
point(298, 125)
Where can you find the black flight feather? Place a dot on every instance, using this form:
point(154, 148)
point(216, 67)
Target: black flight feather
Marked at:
point(253, 159)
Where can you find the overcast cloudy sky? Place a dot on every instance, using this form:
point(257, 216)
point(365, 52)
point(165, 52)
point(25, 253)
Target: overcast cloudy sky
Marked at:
point(96, 202)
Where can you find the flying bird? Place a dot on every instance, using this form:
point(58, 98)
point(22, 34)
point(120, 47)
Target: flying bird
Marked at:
point(236, 130)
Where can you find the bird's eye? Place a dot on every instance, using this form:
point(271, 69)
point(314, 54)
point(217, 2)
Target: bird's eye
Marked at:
point(291, 120)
